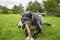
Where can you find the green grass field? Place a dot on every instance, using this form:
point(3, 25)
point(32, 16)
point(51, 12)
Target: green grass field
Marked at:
point(10, 31)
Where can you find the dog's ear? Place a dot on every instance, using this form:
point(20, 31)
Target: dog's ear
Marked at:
point(30, 14)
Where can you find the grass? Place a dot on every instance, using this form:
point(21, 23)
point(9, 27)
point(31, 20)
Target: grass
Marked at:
point(10, 31)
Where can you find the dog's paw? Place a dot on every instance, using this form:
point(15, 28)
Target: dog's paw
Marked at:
point(29, 38)
point(34, 37)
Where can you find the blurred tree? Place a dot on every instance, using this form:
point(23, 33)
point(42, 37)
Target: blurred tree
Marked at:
point(0, 9)
point(35, 6)
point(17, 9)
point(58, 10)
point(58, 1)
point(4, 10)
point(51, 6)
point(21, 8)
point(30, 3)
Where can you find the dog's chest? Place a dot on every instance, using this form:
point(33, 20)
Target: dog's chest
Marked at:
point(31, 26)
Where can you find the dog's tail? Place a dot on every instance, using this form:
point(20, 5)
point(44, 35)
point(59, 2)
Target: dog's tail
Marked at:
point(48, 24)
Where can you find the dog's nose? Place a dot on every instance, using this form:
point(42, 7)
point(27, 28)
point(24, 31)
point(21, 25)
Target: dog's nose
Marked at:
point(19, 25)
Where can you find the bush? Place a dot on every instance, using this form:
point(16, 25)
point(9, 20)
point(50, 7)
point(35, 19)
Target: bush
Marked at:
point(58, 15)
point(43, 14)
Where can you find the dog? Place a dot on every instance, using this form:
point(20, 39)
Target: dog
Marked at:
point(33, 19)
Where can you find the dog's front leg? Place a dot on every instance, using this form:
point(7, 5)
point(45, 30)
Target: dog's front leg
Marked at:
point(39, 30)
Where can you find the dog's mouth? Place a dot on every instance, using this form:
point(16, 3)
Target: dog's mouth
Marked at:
point(29, 24)
point(26, 20)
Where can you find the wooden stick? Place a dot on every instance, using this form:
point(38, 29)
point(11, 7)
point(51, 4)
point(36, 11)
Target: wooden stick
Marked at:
point(28, 30)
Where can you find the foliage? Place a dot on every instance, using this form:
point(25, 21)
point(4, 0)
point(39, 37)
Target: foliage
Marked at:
point(3, 9)
point(35, 6)
point(58, 1)
point(58, 11)
point(17, 9)
point(51, 6)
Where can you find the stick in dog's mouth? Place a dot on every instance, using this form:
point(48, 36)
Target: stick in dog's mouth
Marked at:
point(29, 33)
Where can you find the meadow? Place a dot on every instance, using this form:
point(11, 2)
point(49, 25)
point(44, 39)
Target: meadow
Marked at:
point(10, 31)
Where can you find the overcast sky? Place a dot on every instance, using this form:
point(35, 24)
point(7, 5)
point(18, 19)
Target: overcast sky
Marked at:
point(10, 3)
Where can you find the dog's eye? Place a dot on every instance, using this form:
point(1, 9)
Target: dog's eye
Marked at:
point(22, 15)
point(24, 18)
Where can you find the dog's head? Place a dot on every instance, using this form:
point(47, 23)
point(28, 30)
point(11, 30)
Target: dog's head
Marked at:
point(26, 16)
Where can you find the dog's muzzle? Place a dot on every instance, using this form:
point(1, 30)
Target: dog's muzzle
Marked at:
point(20, 25)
